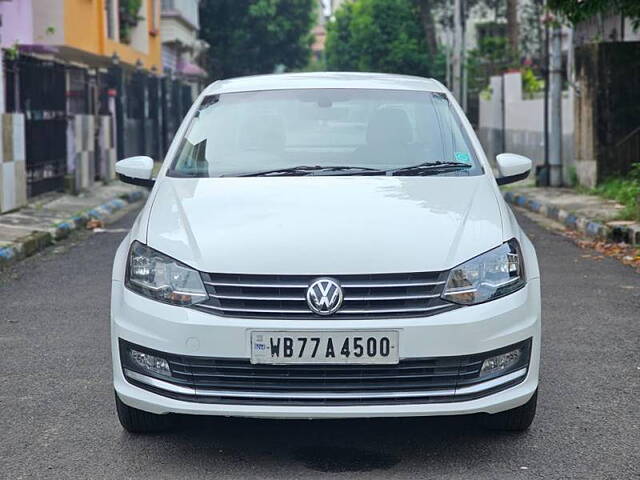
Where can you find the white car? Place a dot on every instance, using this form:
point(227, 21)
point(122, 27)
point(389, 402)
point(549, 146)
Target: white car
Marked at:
point(326, 245)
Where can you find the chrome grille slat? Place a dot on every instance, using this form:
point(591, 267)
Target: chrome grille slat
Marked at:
point(361, 298)
point(325, 378)
point(391, 285)
point(257, 285)
point(253, 310)
point(365, 296)
point(390, 310)
point(239, 365)
point(345, 311)
point(380, 298)
point(259, 297)
point(305, 285)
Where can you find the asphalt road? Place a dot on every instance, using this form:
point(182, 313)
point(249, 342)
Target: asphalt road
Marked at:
point(57, 416)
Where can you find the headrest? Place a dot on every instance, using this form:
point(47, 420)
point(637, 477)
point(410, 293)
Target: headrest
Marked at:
point(389, 126)
point(263, 132)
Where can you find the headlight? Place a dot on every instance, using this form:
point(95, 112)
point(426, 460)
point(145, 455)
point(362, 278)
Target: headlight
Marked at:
point(157, 276)
point(493, 274)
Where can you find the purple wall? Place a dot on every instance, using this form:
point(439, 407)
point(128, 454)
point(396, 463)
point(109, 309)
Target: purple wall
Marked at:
point(17, 23)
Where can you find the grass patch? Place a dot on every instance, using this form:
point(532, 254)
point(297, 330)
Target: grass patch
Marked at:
point(625, 191)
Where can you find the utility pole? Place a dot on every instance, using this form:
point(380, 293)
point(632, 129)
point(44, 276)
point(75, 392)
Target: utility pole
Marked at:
point(543, 178)
point(448, 64)
point(555, 87)
point(2, 83)
point(449, 56)
point(463, 50)
point(457, 51)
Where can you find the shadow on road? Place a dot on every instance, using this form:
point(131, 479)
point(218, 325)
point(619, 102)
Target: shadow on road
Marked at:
point(332, 446)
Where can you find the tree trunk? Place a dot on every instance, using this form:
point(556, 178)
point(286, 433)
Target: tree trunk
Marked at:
point(512, 25)
point(428, 25)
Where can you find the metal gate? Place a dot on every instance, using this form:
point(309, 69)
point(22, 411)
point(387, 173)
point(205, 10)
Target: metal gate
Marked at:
point(37, 88)
point(176, 101)
point(135, 98)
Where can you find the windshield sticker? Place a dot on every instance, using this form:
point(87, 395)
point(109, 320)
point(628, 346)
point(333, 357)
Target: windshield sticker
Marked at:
point(462, 157)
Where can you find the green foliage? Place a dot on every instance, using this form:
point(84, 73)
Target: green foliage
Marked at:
point(493, 56)
point(625, 191)
point(530, 83)
point(486, 93)
point(495, 53)
point(579, 10)
point(380, 36)
point(130, 7)
point(256, 36)
point(314, 66)
point(129, 18)
point(12, 52)
point(531, 29)
point(573, 177)
point(339, 51)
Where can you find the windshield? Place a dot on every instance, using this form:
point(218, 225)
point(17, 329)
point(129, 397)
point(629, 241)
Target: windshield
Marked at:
point(324, 132)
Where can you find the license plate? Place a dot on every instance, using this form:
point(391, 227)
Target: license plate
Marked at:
point(337, 347)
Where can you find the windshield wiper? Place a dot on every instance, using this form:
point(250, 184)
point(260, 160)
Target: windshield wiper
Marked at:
point(429, 168)
point(311, 169)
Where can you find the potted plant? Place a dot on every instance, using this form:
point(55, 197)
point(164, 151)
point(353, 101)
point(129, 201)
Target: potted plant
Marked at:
point(129, 18)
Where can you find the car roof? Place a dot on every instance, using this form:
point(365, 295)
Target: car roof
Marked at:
point(288, 81)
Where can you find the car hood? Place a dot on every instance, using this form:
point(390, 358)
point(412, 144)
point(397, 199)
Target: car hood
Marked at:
point(324, 224)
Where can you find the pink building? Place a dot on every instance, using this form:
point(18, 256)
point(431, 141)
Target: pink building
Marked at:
point(17, 23)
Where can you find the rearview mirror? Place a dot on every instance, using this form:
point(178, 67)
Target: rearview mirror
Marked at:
point(512, 168)
point(136, 171)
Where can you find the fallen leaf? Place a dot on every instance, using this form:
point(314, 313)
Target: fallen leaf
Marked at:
point(95, 223)
point(623, 252)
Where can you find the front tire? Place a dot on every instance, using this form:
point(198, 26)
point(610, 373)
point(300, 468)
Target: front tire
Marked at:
point(139, 421)
point(517, 419)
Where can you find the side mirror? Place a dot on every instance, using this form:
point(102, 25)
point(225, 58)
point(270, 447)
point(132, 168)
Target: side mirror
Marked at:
point(136, 171)
point(512, 168)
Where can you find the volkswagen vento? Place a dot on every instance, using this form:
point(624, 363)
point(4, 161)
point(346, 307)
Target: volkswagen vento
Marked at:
point(325, 246)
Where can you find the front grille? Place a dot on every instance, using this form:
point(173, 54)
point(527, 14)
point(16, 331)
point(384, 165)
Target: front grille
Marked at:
point(365, 296)
point(237, 381)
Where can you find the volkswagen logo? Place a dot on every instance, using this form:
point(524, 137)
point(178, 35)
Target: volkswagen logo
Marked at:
point(324, 296)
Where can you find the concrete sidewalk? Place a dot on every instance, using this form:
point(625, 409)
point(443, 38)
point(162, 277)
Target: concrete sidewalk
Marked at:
point(588, 214)
point(52, 217)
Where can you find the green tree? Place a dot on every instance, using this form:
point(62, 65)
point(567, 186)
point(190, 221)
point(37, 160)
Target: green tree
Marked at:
point(579, 10)
point(492, 56)
point(339, 51)
point(256, 36)
point(513, 29)
point(426, 13)
point(380, 36)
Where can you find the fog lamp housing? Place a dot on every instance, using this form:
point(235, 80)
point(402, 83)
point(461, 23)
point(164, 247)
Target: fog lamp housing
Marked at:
point(502, 362)
point(149, 363)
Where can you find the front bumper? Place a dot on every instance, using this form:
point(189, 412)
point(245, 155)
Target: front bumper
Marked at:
point(464, 331)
